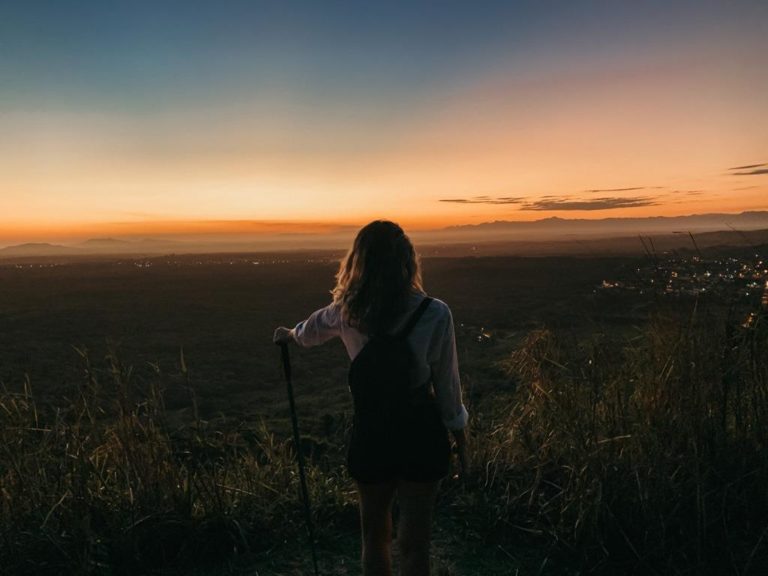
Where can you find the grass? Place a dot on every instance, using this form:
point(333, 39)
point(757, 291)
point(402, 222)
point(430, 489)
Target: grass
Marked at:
point(644, 454)
point(648, 455)
point(106, 486)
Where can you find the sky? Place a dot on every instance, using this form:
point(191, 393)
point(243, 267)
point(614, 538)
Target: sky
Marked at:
point(136, 118)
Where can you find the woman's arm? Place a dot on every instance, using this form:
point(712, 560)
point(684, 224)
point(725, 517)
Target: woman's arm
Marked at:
point(445, 378)
point(321, 326)
point(444, 365)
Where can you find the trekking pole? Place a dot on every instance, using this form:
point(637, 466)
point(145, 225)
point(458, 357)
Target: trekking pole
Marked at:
point(297, 444)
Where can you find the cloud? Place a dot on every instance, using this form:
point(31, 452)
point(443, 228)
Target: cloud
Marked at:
point(552, 202)
point(607, 203)
point(486, 200)
point(748, 170)
point(747, 166)
point(632, 188)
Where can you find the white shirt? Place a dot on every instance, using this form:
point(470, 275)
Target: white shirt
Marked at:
point(432, 340)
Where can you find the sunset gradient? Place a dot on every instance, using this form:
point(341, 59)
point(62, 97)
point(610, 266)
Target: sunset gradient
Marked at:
point(154, 118)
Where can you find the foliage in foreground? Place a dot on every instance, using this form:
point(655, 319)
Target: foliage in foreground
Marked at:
point(648, 455)
point(642, 455)
point(108, 487)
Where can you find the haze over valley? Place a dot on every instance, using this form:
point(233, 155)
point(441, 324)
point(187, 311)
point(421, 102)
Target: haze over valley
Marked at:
point(545, 236)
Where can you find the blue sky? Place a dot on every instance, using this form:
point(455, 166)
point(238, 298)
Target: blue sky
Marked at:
point(135, 54)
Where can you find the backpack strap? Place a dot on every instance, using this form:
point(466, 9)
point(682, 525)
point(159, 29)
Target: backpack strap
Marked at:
point(403, 333)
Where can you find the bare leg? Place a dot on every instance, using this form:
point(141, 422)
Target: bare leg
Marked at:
point(417, 504)
point(376, 523)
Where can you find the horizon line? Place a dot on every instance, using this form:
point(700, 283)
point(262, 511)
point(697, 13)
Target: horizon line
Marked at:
point(222, 230)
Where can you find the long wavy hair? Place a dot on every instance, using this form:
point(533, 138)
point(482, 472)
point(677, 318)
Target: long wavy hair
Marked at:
point(376, 277)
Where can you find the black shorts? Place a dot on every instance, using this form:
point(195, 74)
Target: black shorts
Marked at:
point(418, 451)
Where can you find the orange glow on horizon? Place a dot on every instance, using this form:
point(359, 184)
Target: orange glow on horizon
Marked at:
point(31, 231)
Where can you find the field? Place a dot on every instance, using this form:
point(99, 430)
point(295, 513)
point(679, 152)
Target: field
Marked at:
point(221, 310)
point(611, 432)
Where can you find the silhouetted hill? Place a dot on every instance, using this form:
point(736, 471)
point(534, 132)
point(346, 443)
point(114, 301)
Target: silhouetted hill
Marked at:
point(38, 249)
point(721, 241)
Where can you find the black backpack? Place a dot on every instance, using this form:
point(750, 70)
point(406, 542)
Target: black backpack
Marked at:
point(380, 381)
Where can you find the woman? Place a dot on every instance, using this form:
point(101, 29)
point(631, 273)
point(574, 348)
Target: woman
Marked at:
point(378, 298)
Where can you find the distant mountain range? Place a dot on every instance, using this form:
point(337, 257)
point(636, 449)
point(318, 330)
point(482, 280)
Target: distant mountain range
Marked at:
point(100, 242)
point(649, 225)
point(547, 235)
